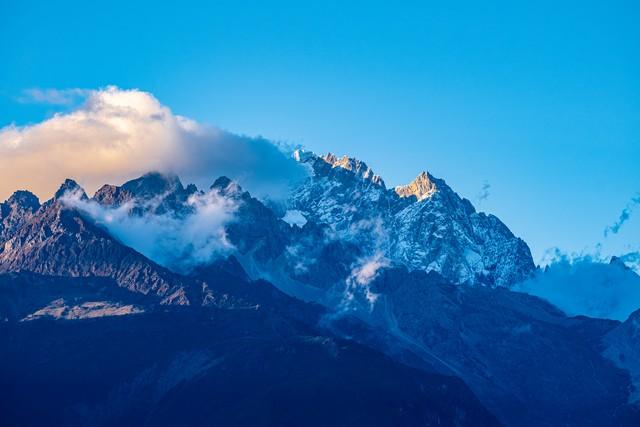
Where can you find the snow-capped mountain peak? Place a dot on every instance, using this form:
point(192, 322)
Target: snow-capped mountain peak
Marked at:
point(422, 187)
point(358, 167)
point(424, 225)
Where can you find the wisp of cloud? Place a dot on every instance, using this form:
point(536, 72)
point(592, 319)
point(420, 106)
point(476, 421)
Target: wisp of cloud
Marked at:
point(484, 192)
point(587, 286)
point(53, 96)
point(178, 243)
point(624, 217)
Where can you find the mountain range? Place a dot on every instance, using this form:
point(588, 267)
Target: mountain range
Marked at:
point(346, 303)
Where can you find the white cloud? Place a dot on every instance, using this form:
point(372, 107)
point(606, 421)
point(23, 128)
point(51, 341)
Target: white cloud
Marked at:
point(632, 260)
point(362, 274)
point(484, 192)
point(121, 134)
point(53, 96)
point(176, 243)
point(623, 217)
point(587, 286)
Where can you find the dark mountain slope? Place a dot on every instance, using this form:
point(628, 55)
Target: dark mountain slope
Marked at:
point(525, 360)
point(187, 366)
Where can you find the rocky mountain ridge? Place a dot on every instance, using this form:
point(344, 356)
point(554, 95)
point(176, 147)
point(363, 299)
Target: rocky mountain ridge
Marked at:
point(414, 273)
point(423, 226)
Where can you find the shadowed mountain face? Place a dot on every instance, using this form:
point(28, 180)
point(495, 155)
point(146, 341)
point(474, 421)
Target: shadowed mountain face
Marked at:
point(507, 346)
point(375, 306)
point(61, 242)
point(208, 366)
point(622, 347)
point(151, 193)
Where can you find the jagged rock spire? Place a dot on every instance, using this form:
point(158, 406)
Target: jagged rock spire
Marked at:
point(70, 186)
point(356, 166)
point(153, 184)
point(24, 200)
point(422, 187)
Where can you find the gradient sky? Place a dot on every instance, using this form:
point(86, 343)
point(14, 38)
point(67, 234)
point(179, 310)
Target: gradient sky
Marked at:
point(541, 101)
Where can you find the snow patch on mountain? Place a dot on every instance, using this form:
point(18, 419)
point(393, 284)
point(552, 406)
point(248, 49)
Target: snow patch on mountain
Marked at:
point(62, 309)
point(294, 217)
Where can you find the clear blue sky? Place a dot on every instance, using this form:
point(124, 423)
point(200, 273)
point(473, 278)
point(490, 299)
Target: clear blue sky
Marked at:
point(542, 101)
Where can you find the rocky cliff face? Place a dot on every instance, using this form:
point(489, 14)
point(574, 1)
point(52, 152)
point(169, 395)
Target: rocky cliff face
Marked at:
point(16, 211)
point(153, 193)
point(349, 215)
point(424, 225)
point(58, 241)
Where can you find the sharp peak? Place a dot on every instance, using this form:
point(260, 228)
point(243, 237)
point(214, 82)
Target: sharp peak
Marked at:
point(341, 160)
point(422, 187)
point(344, 161)
point(153, 183)
point(106, 187)
point(164, 175)
point(619, 261)
point(225, 184)
point(70, 186)
point(221, 182)
point(168, 177)
point(356, 166)
point(24, 198)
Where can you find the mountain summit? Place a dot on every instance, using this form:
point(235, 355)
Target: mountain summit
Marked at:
point(424, 225)
point(357, 167)
point(421, 187)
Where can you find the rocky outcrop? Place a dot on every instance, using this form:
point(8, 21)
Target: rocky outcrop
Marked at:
point(15, 211)
point(420, 188)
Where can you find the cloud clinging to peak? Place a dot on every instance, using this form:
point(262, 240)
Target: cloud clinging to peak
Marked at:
point(118, 134)
point(587, 285)
point(178, 243)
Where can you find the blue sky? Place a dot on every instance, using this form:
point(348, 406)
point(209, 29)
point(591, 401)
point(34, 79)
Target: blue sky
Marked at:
point(541, 101)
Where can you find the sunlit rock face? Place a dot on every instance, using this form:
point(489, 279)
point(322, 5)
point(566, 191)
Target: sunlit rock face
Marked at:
point(355, 166)
point(420, 188)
